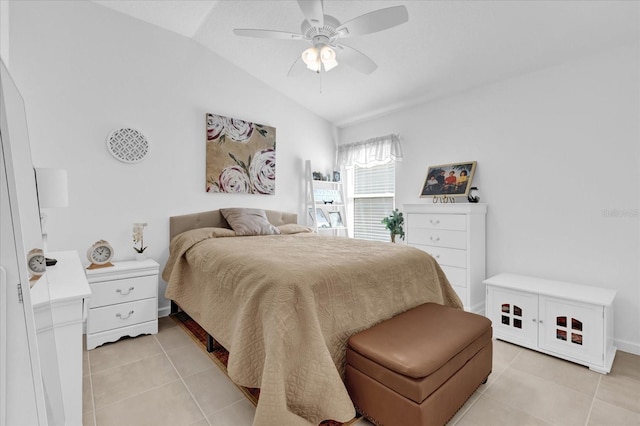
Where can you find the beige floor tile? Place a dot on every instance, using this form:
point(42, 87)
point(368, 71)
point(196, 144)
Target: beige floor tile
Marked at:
point(118, 383)
point(189, 359)
point(463, 410)
point(239, 414)
point(604, 414)
point(574, 376)
point(164, 323)
point(486, 411)
point(504, 352)
point(87, 394)
point(620, 391)
point(541, 398)
point(213, 390)
point(168, 405)
point(626, 364)
point(88, 419)
point(123, 352)
point(174, 337)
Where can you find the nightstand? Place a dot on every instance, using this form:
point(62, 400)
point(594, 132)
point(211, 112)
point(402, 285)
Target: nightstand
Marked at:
point(124, 301)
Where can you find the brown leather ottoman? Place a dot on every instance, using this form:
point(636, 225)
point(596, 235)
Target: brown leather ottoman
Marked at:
point(419, 367)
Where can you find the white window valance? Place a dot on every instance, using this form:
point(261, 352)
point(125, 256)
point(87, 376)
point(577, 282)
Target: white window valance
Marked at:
point(371, 152)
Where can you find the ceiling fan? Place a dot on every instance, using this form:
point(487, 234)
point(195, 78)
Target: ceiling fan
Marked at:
point(324, 32)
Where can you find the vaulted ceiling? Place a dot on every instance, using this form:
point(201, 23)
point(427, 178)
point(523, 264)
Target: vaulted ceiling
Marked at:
point(444, 48)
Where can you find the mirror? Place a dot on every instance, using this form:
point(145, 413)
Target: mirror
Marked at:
point(19, 175)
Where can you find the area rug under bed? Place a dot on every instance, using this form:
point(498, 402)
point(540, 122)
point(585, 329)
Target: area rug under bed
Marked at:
point(220, 357)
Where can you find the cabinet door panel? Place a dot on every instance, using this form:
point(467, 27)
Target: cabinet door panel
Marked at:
point(572, 329)
point(514, 315)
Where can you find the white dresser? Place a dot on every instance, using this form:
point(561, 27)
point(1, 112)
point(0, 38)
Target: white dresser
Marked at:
point(455, 235)
point(124, 301)
point(68, 293)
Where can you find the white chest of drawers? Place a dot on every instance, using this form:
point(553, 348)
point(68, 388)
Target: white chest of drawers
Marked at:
point(124, 301)
point(455, 235)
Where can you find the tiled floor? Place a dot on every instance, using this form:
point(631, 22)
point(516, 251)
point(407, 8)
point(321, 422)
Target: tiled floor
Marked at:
point(166, 379)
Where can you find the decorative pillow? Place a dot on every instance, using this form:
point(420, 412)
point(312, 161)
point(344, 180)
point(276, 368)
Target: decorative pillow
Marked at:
point(294, 228)
point(246, 222)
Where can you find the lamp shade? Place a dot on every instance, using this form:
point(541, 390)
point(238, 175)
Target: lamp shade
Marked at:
point(52, 187)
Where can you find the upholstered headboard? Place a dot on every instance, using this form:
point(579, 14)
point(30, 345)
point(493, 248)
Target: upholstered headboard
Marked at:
point(213, 218)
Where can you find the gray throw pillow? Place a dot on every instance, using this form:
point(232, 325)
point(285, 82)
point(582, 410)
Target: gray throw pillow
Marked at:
point(246, 222)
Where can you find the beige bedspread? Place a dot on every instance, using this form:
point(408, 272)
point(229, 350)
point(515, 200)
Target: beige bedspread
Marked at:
point(285, 305)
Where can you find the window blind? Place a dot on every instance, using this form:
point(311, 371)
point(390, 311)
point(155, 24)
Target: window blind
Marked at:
point(373, 199)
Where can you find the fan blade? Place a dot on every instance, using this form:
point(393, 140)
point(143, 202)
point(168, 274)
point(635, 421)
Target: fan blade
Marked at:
point(296, 68)
point(283, 35)
point(356, 59)
point(375, 21)
point(313, 11)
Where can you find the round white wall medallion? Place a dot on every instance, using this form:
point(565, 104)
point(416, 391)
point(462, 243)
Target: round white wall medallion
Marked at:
point(128, 145)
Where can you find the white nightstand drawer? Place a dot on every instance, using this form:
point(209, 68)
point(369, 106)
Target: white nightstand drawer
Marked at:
point(123, 314)
point(125, 290)
point(453, 222)
point(436, 237)
point(446, 256)
point(456, 276)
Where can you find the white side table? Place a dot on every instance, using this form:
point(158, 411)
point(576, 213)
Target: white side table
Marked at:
point(68, 291)
point(124, 301)
point(565, 320)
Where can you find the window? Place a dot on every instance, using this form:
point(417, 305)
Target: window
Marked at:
point(373, 198)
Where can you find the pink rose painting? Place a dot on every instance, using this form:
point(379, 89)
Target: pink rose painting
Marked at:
point(241, 156)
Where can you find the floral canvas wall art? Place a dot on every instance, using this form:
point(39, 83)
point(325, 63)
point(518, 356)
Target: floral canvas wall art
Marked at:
point(241, 156)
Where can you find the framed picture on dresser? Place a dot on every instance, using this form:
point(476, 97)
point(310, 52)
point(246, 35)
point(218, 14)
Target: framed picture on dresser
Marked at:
point(449, 179)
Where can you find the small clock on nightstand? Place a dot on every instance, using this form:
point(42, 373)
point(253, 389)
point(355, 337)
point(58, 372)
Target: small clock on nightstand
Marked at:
point(100, 254)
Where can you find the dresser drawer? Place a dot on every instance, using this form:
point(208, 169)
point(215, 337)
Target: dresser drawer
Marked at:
point(436, 237)
point(452, 222)
point(125, 290)
point(446, 256)
point(462, 294)
point(456, 276)
point(121, 315)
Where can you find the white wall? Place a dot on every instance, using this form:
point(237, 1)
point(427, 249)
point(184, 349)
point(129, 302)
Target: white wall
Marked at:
point(85, 70)
point(4, 31)
point(558, 158)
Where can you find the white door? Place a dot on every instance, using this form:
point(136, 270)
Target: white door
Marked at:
point(572, 329)
point(514, 315)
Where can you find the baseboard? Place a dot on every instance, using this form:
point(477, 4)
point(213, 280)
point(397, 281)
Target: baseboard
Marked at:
point(627, 346)
point(164, 311)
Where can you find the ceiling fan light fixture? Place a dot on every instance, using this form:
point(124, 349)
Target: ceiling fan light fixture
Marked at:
point(328, 58)
point(311, 57)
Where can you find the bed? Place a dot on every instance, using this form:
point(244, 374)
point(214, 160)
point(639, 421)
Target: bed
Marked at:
point(284, 304)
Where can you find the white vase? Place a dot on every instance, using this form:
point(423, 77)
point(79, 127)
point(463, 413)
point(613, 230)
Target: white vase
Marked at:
point(141, 256)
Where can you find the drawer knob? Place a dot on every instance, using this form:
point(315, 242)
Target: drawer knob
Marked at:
point(124, 294)
point(434, 239)
point(121, 317)
point(435, 256)
point(434, 221)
